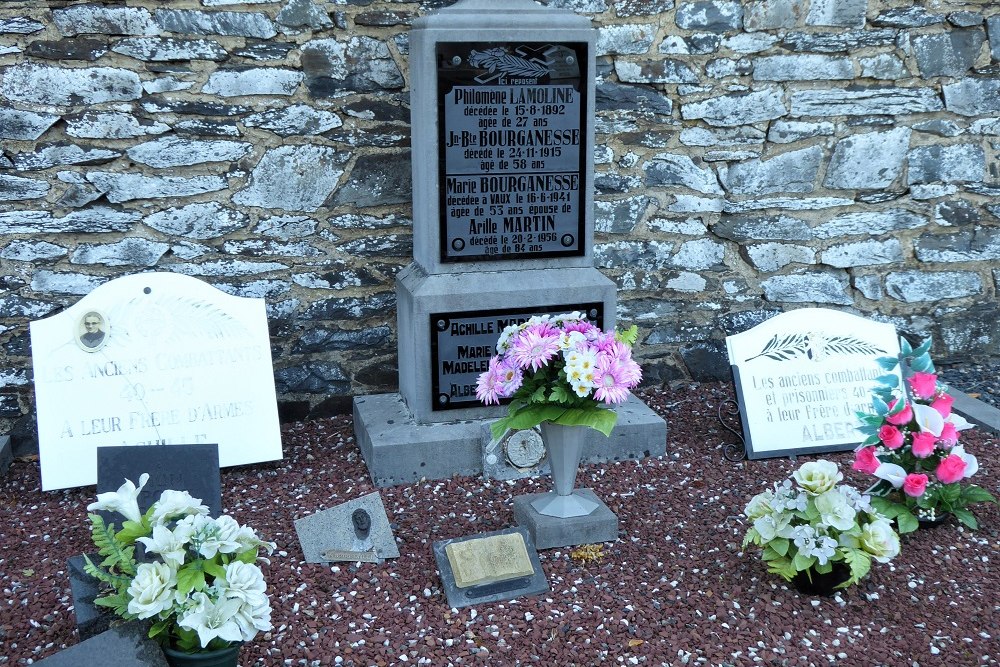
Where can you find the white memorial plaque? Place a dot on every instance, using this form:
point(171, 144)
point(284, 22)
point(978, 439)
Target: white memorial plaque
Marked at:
point(153, 358)
point(802, 375)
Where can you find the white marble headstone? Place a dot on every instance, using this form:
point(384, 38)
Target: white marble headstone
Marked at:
point(153, 358)
point(801, 375)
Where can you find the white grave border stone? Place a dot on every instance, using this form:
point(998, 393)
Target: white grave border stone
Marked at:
point(799, 380)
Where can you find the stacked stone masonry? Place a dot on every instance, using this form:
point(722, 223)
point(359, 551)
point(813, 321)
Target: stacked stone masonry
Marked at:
point(752, 157)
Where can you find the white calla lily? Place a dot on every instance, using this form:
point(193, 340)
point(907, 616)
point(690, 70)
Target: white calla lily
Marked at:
point(891, 473)
point(928, 419)
point(959, 422)
point(125, 500)
point(971, 463)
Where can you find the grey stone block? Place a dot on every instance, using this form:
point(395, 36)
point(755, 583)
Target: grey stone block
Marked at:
point(398, 449)
point(6, 454)
point(122, 645)
point(91, 620)
point(976, 411)
point(549, 532)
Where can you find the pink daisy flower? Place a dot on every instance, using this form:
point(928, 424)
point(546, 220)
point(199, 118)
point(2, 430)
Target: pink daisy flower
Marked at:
point(583, 326)
point(611, 378)
point(486, 387)
point(510, 378)
point(533, 351)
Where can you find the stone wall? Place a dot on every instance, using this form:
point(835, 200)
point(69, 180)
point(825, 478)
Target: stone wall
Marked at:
point(752, 157)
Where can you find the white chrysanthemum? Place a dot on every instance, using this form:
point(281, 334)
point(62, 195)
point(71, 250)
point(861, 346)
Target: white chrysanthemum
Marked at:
point(245, 582)
point(152, 590)
point(834, 510)
point(880, 540)
point(176, 504)
point(816, 477)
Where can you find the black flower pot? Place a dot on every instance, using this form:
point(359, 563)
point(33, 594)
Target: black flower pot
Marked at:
point(810, 582)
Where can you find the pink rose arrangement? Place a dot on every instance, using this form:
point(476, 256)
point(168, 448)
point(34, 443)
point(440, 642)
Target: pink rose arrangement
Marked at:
point(912, 447)
point(561, 369)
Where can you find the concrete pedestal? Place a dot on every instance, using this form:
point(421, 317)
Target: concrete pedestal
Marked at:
point(399, 450)
point(549, 532)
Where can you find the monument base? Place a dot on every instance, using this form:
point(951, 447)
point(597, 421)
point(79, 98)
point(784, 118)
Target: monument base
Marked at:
point(601, 525)
point(399, 450)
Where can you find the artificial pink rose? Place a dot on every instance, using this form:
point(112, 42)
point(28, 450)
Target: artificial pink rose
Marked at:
point(915, 484)
point(903, 417)
point(951, 469)
point(890, 436)
point(923, 444)
point(866, 461)
point(949, 435)
point(923, 385)
point(943, 404)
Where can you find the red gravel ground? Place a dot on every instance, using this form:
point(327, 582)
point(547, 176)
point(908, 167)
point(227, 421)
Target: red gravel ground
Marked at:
point(675, 589)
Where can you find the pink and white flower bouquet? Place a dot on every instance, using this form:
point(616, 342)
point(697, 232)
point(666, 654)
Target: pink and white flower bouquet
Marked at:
point(560, 369)
point(912, 447)
point(198, 584)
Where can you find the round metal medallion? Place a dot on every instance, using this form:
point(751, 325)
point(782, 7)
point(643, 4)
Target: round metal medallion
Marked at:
point(525, 449)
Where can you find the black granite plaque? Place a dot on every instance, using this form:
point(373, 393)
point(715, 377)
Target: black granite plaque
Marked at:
point(462, 344)
point(191, 468)
point(512, 149)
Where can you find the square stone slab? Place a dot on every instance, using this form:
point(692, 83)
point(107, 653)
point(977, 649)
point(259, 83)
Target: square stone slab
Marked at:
point(548, 532)
point(331, 535)
point(489, 567)
point(191, 468)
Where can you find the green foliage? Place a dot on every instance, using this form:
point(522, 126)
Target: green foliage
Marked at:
point(522, 417)
point(782, 567)
point(628, 336)
point(906, 522)
point(887, 363)
point(860, 564)
point(780, 546)
point(889, 380)
point(118, 556)
point(880, 406)
point(976, 494)
point(191, 577)
point(966, 517)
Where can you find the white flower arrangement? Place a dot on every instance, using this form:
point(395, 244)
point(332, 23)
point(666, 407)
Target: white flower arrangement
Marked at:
point(817, 523)
point(201, 586)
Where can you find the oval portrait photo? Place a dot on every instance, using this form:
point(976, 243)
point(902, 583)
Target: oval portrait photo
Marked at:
point(92, 331)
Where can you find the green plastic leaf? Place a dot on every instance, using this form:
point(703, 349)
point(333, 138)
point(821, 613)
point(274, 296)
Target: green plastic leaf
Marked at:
point(782, 567)
point(780, 545)
point(599, 419)
point(215, 569)
point(860, 564)
point(191, 577)
point(906, 522)
point(966, 517)
point(880, 406)
point(801, 562)
point(887, 363)
point(950, 493)
point(770, 554)
point(977, 494)
point(924, 348)
point(899, 406)
point(628, 336)
point(904, 347)
point(890, 380)
point(885, 507)
point(922, 364)
point(131, 530)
